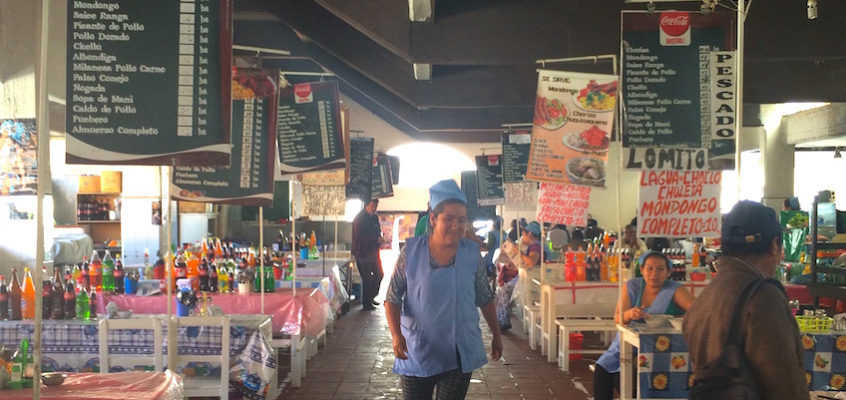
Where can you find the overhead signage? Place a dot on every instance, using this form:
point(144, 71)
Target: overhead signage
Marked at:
point(522, 196)
point(675, 68)
point(323, 200)
point(475, 212)
point(515, 155)
point(361, 165)
point(489, 180)
point(310, 136)
point(148, 82)
point(334, 177)
point(571, 129)
point(248, 180)
point(381, 184)
point(561, 203)
point(679, 204)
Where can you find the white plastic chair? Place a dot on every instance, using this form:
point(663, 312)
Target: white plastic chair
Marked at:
point(151, 323)
point(199, 386)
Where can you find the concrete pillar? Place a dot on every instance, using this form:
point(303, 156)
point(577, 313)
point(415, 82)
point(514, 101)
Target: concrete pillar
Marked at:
point(778, 158)
point(18, 49)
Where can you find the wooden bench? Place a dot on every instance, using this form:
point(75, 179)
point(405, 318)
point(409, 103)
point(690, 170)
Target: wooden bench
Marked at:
point(567, 326)
point(572, 315)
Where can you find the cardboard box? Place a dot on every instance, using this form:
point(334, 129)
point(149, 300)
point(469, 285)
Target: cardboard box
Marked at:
point(89, 184)
point(111, 182)
point(191, 207)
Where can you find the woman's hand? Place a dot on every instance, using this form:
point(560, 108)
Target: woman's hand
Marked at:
point(496, 347)
point(400, 348)
point(635, 313)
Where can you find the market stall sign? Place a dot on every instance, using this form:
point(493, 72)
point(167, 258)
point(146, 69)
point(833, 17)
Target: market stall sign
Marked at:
point(678, 88)
point(148, 82)
point(489, 180)
point(475, 212)
point(323, 200)
point(381, 183)
point(561, 203)
point(361, 166)
point(334, 177)
point(248, 180)
point(571, 128)
point(515, 155)
point(679, 204)
point(310, 136)
point(522, 196)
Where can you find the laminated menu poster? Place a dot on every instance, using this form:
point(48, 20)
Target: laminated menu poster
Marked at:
point(489, 180)
point(309, 132)
point(475, 212)
point(571, 128)
point(562, 203)
point(678, 90)
point(381, 183)
point(249, 179)
point(515, 155)
point(679, 204)
point(18, 155)
point(148, 82)
point(361, 165)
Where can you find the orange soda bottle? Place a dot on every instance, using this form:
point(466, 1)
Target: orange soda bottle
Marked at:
point(193, 271)
point(581, 264)
point(28, 296)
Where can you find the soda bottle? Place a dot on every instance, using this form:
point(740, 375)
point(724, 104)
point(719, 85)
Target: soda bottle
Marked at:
point(82, 304)
point(118, 275)
point(204, 275)
point(70, 301)
point(95, 271)
point(108, 272)
point(85, 273)
point(92, 308)
point(218, 248)
point(180, 269)
point(581, 265)
point(76, 274)
point(603, 265)
point(28, 296)
point(4, 299)
point(15, 297)
point(223, 280)
point(57, 297)
point(193, 270)
point(46, 295)
point(212, 277)
point(232, 286)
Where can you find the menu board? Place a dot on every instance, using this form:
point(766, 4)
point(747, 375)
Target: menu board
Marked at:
point(148, 82)
point(571, 128)
point(475, 212)
point(679, 204)
point(381, 184)
point(561, 203)
point(668, 82)
point(395, 168)
point(248, 180)
point(361, 165)
point(310, 136)
point(18, 157)
point(489, 180)
point(515, 155)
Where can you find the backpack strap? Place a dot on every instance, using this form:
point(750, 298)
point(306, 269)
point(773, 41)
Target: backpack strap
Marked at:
point(733, 335)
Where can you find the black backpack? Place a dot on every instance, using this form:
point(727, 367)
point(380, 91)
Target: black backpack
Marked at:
point(728, 377)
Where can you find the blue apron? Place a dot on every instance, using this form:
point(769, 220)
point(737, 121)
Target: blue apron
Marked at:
point(610, 360)
point(439, 319)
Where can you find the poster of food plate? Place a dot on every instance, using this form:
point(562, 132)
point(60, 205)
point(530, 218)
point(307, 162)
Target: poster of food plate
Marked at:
point(571, 128)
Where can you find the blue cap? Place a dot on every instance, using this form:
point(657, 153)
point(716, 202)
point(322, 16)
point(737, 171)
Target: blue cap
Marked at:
point(444, 190)
point(750, 222)
point(533, 227)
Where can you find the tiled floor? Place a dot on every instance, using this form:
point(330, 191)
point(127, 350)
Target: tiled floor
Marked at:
point(356, 365)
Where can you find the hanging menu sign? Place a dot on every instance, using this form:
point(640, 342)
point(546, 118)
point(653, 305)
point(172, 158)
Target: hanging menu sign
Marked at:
point(148, 82)
point(515, 155)
point(669, 78)
point(489, 180)
point(381, 182)
point(475, 212)
point(679, 204)
point(248, 180)
point(361, 165)
point(310, 136)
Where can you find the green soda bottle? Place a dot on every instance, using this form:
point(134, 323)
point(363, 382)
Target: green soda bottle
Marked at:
point(83, 308)
point(108, 272)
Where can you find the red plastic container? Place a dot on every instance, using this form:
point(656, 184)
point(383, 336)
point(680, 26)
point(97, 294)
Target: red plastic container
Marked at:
point(577, 340)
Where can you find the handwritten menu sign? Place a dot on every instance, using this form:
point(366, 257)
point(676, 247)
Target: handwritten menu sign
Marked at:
point(670, 79)
point(515, 155)
point(489, 180)
point(148, 82)
point(310, 136)
point(361, 165)
point(475, 212)
point(679, 204)
point(561, 203)
point(248, 180)
point(571, 128)
point(381, 182)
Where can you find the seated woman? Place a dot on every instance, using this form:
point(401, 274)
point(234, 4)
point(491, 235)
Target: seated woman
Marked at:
point(650, 294)
point(530, 256)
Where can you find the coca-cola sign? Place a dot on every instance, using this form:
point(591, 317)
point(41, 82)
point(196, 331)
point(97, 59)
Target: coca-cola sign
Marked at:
point(302, 93)
point(675, 28)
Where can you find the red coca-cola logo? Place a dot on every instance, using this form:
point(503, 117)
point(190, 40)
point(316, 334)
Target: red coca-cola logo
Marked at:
point(675, 23)
point(303, 90)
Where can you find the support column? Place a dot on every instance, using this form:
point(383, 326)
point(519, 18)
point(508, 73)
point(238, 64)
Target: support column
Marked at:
point(777, 156)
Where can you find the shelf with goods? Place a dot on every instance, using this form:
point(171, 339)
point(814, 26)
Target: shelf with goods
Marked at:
point(99, 214)
point(821, 258)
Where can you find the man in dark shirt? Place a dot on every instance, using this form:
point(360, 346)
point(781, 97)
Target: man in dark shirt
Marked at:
point(366, 237)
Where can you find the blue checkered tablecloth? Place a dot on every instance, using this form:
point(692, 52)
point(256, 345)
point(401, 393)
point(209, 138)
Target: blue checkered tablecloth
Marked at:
point(664, 369)
point(825, 361)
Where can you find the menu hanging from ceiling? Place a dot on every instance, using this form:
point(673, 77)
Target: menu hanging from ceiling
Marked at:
point(678, 90)
point(489, 180)
point(248, 180)
point(515, 155)
point(381, 182)
point(679, 204)
point(361, 165)
point(310, 136)
point(475, 212)
point(148, 82)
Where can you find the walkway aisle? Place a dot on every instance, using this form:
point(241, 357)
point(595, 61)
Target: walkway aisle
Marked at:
point(356, 365)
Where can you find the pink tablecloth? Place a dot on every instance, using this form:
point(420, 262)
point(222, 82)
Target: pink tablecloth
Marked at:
point(305, 313)
point(130, 385)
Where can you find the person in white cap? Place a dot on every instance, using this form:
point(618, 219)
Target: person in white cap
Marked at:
point(438, 283)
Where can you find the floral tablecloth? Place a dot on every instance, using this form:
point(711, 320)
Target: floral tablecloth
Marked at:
point(664, 369)
point(825, 361)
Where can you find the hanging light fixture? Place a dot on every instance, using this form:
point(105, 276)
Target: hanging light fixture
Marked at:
point(837, 153)
point(813, 12)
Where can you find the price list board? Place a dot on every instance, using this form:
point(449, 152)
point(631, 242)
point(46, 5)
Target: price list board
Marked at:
point(489, 180)
point(310, 136)
point(248, 180)
point(475, 212)
point(381, 181)
point(361, 165)
point(515, 156)
point(148, 82)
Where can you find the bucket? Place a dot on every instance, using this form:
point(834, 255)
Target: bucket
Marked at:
point(576, 342)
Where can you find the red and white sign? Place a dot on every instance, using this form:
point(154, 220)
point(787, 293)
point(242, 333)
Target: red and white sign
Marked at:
point(302, 93)
point(675, 28)
point(563, 203)
point(679, 204)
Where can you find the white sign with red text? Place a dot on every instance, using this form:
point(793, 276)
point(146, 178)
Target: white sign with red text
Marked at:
point(679, 204)
point(563, 203)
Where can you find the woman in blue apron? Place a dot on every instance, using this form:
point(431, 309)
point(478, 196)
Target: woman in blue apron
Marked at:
point(651, 293)
point(438, 283)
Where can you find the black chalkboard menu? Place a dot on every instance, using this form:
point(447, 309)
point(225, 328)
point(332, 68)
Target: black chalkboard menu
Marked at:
point(475, 212)
point(381, 182)
point(248, 180)
point(515, 156)
point(395, 168)
point(489, 180)
point(148, 82)
point(309, 133)
point(361, 164)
